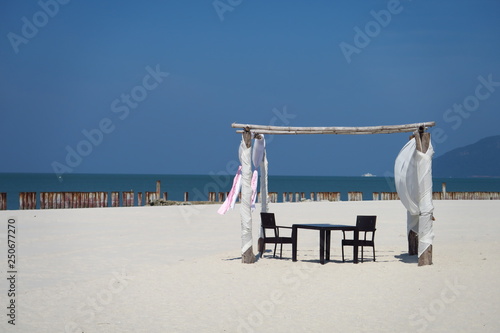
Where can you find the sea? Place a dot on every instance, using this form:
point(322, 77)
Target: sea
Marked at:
point(198, 186)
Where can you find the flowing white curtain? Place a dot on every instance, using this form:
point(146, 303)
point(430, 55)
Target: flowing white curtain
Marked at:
point(413, 178)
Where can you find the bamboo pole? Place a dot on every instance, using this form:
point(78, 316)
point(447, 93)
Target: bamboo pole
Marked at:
point(385, 129)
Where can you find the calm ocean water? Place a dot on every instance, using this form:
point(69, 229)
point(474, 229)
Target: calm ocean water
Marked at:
point(198, 186)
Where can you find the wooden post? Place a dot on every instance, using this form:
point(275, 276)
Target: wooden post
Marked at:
point(115, 199)
point(21, 201)
point(3, 201)
point(412, 243)
point(158, 189)
point(426, 257)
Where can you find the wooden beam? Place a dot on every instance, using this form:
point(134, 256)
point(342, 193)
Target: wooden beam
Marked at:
point(386, 129)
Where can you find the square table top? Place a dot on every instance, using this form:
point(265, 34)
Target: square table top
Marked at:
point(324, 226)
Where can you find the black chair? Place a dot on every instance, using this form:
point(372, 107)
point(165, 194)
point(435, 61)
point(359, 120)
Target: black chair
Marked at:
point(269, 223)
point(366, 225)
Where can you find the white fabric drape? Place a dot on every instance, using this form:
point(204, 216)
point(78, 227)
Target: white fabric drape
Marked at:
point(413, 178)
point(260, 159)
point(425, 222)
point(246, 182)
point(263, 184)
point(405, 177)
point(259, 149)
point(258, 153)
point(246, 196)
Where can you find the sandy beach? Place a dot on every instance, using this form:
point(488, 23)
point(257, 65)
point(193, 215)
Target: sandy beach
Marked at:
point(178, 269)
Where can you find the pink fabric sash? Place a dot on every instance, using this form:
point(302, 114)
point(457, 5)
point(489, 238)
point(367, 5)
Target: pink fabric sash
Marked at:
point(233, 195)
point(235, 191)
point(255, 178)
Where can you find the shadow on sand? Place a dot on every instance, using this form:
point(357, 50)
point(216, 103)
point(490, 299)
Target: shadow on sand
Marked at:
point(406, 258)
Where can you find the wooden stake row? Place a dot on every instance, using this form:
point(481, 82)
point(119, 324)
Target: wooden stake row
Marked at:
point(59, 200)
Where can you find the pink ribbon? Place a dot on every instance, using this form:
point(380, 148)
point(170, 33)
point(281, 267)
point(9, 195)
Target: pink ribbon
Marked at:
point(233, 195)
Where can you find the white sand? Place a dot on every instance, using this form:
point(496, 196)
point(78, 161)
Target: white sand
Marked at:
point(178, 269)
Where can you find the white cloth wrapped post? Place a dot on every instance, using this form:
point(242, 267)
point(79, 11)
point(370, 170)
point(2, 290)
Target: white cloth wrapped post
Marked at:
point(425, 222)
point(245, 182)
point(246, 197)
point(258, 152)
point(259, 159)
point(413, 178)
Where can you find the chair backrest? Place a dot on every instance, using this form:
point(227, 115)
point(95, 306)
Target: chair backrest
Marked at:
point(366, 223)
point(268, 220)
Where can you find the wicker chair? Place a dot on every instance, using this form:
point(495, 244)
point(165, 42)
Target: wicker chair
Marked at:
point(269, 224)
point(366, 225)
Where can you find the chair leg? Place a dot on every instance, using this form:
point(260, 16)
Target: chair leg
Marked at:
point(281, 251)
point(362, 254)
point(343, 259)
point(373, 253)
point(275, 245)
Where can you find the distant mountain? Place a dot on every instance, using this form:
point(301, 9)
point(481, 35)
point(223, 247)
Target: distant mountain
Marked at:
point(481, 159)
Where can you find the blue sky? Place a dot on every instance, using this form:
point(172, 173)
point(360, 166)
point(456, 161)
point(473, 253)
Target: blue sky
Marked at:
point(123, 87)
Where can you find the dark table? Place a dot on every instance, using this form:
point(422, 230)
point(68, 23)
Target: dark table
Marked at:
point(324, 239)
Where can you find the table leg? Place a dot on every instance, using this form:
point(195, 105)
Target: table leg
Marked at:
point(327, 244)
point(294, 243)
point(355, 247)
point(322, 246)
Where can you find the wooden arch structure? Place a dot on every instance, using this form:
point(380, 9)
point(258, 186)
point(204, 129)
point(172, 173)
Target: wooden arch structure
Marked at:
point(249, 131)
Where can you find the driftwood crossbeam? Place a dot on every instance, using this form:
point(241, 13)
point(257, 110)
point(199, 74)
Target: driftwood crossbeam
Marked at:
point(386, 129)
